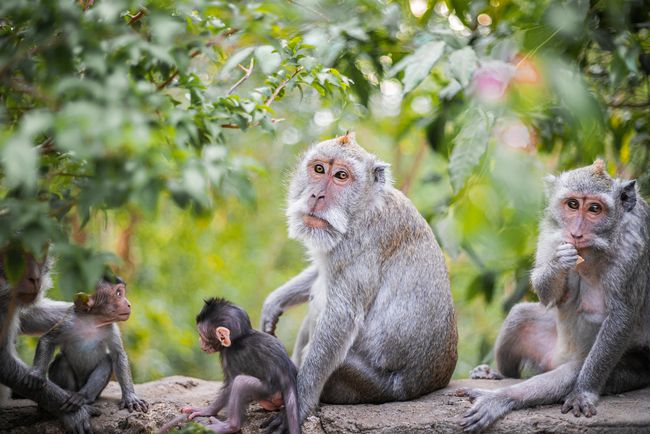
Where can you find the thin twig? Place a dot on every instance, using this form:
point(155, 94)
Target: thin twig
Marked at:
point(412, 173)
point(282, 86)
point(623, 104)
point(135, 18)
point(235, 126)
point(247, 74)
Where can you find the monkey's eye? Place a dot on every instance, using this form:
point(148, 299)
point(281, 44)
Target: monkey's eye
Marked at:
point(595, 208)
point(573, 204)
point(118, 292)
point(342, 175)
point(318, 168)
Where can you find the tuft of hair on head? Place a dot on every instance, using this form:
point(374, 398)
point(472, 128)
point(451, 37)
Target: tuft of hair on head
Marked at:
point(346, 138)
point(598, 168)
point(211, 305)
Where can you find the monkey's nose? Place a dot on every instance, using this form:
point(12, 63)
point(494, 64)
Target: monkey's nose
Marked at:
point(576, 236)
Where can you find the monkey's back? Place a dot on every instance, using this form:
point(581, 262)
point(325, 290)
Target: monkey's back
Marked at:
point(410, 325)
point(262, 356)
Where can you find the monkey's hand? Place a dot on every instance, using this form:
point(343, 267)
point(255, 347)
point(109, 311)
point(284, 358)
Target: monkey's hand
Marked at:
point(271, 313)
point(580, 402)
point(197, 412)
point(34, 379)
point(275, 424)
point(74, 402)
point(566, 256)
point(132, 403)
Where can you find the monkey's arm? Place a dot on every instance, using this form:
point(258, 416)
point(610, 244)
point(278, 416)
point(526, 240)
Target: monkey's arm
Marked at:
point(607, 350)
point(552, 264)
point(335, 330)
point(295, 291)
point(41, 317)
point(122, 371)
point(43, 356)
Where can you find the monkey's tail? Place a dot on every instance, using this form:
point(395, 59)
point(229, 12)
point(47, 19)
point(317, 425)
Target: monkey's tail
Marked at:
point(173, 423)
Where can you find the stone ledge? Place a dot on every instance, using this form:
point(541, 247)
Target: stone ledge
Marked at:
point(438, 412)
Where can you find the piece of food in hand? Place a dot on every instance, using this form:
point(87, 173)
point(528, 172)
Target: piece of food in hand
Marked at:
point(580, 260)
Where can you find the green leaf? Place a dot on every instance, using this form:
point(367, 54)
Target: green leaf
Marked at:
point(462, 64)
point(20, 161)
point(469, 146)
point(417, 66)
point(268, 58)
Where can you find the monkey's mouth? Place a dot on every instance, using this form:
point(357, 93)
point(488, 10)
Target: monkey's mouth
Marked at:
point(123, 316)
point(26, 297)
point(312, 221)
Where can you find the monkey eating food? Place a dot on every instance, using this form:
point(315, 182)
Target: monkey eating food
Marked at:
point(590, 333)
point(91, 349)
point(256, 367)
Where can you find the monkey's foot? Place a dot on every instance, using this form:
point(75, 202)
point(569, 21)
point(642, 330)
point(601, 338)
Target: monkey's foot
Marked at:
point(221, 426)
point(484, 372)
point(488, 408)
point(197, 412)
point(580, 403)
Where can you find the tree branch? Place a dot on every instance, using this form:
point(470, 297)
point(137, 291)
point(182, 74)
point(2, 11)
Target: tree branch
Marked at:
point(247, 74)
point(282, 86)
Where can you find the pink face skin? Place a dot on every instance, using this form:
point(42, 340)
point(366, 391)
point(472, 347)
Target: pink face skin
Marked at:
point(327, 178)
point(582, 213)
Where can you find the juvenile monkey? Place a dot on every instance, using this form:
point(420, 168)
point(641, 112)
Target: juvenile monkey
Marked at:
point(590, 333)
point(16, 302)
point(91, 349)
point(256, 367)
point(381, 324)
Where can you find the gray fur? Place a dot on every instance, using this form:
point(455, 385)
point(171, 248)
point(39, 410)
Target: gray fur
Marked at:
point(15, 317)
point(381, 324)
point(590, 333)
point(89, 355)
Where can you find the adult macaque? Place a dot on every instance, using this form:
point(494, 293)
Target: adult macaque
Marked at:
point(256, 367)
point(15, 302)
point(590, 333)
point(381, 324)
point(91, 349)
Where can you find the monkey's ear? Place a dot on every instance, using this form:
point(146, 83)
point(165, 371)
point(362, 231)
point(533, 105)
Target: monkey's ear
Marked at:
point(223, 334)
point(628, 195)
point(83, 302)
point(549, 185)
point(381, 172)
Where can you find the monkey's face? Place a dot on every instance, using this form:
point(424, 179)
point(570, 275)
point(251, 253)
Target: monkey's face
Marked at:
point(32, 280)
point(107, 305)
point(211, 339)
point(584, 216)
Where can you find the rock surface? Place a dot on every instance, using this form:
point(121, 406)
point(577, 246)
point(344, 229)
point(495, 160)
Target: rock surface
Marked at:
point(438, 412)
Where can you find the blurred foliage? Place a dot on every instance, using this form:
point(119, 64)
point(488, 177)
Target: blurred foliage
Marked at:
point(120, 119)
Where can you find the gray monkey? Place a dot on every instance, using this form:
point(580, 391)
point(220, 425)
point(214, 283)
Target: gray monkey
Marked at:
point(16, 303)
point(381, 324)
point(590, 333)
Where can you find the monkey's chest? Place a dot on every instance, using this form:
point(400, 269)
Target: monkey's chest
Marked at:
point(590, 305)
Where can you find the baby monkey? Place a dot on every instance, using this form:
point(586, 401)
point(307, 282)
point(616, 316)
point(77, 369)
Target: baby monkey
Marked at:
point(256, 367)
point(91, 349)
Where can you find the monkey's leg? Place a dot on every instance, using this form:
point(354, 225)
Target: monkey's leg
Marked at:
point(244, 389)
point(355, 382)
point(490, 405)
point(60, 373)
point(526, 340)
point(301, 341)
point(97, 380)
point(632, 372)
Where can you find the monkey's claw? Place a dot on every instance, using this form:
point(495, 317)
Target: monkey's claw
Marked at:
point(133, 403)
point(580, 403)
